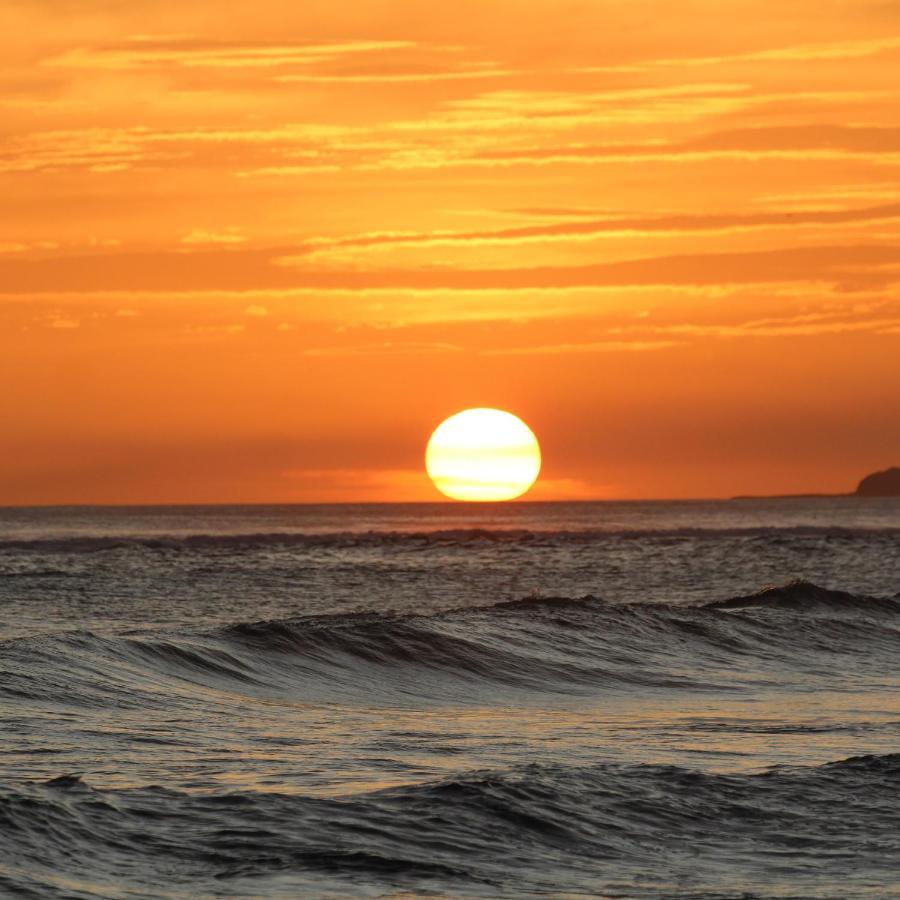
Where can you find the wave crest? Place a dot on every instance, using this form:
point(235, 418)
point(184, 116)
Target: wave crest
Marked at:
point(809, 597)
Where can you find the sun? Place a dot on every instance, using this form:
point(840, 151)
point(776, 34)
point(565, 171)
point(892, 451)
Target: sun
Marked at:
point(483, 454)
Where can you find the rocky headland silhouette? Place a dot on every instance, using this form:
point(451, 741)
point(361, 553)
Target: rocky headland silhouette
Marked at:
point(876, 484)
point(880, 484)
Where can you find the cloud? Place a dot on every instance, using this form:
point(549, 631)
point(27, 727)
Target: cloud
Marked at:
point(540, 108)
point(195, 53)
point(821, 51)
point(636, 346)
point(444, 140)
point(618, 226)
point(801, 327)
point(471, 144)
point(202, 236)
point(411, 77)
point(386, 348)
point(850, 266)
point(777, 142)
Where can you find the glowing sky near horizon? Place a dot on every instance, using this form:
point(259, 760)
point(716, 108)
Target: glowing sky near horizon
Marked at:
point(256, 256)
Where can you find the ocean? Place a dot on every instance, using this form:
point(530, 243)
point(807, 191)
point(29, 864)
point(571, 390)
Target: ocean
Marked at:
point(613, 699)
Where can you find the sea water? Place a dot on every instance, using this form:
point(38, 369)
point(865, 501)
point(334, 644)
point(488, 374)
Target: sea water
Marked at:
point(666, 699)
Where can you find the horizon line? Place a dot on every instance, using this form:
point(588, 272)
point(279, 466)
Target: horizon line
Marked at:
point(437, 502)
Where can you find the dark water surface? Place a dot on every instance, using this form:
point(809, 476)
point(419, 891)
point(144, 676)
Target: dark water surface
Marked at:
point(693, 699)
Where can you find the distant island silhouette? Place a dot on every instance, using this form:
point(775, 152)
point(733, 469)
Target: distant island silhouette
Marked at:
point(877, 484)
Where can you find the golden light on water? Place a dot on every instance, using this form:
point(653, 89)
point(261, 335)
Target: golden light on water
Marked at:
point(483, 455)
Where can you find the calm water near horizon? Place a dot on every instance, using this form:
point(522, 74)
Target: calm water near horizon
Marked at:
point(603, 515)
point(449, 700)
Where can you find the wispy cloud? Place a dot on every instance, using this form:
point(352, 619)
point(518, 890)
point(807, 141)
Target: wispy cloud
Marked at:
point(615, 226)
point(238, 269)
point(196, 53)
point(432, 144)
point(831, 318)
point(422, 76)
point(793, 53)
point(774, 328)
point(627, 346)
point(204, 236)
point(808, 142)
point(386, 347)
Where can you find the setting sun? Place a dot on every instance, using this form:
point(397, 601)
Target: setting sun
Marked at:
point(483, 454)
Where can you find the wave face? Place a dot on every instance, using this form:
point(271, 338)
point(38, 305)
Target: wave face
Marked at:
point(612, 829)
point(583, 645)
point(567, 646)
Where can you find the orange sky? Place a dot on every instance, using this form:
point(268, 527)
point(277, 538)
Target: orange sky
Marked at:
point(258, 251)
